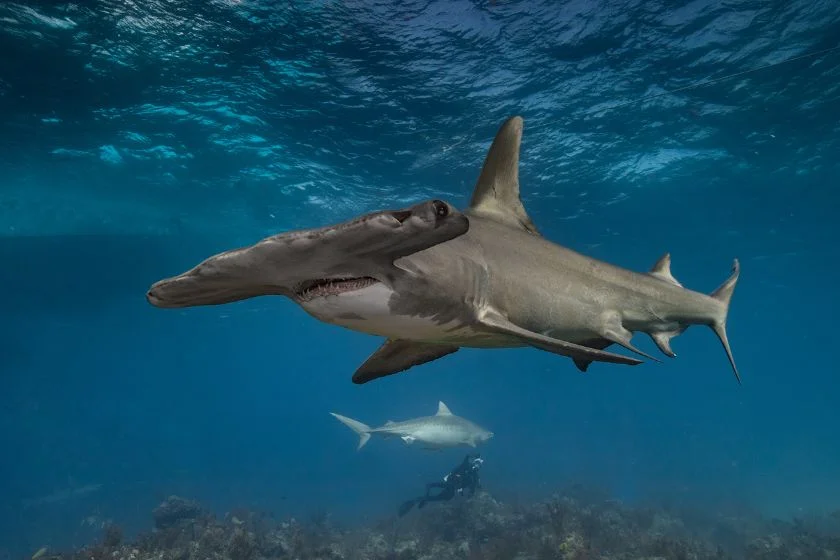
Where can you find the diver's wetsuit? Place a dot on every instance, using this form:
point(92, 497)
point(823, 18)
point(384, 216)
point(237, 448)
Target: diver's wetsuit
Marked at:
point(464, 477)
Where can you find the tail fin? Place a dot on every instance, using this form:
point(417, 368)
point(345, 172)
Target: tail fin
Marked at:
point(363, 430)
point(724, 294)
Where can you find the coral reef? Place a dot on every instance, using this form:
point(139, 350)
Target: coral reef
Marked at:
point(565, 527)
point(175, 510)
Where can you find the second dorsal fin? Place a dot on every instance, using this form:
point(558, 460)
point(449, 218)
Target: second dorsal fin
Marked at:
point(496, 193)
point(662, 270)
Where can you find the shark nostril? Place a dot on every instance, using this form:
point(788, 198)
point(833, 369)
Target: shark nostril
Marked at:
point(401, 215)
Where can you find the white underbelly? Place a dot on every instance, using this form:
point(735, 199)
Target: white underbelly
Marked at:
point(367, 311)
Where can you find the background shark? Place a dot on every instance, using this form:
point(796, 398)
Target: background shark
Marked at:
point(495, 284)
point(440, 431)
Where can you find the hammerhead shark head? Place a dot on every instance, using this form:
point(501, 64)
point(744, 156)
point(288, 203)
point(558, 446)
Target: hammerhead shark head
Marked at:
point(432, 280)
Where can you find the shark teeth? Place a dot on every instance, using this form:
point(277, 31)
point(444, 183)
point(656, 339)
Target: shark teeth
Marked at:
point(324, 287)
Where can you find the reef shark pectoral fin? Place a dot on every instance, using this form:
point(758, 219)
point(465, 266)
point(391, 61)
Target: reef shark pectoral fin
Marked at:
point(399, 355)
point(496, 193)
point(494, 321)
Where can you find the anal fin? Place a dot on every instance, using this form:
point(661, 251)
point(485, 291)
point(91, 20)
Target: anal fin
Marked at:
point(496, 322)
point(662, 339)
point(396, 356)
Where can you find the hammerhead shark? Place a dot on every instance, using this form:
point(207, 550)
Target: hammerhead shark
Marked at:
point(432, 280)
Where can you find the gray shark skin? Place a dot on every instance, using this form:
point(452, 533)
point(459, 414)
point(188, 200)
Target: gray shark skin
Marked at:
point(443, 430)
point(500, 284)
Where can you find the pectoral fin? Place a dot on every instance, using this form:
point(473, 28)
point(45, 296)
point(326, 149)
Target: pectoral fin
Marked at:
point(399, 355)
point(496, 322)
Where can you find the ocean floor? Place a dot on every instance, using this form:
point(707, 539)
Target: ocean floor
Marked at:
point(564, 527)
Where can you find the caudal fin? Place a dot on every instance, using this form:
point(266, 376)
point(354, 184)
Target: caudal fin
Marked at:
point(724, 294)
point(363, 430)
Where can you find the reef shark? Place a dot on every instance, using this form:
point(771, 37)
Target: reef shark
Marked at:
point(440, 431)
point(432, 280)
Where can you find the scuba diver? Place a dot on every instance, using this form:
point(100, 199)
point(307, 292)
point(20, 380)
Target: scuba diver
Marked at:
point(463, 477)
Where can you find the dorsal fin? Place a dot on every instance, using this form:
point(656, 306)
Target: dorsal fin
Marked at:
point(443, 410)
point(389, 422)
point(496, 193)
point(662, 270)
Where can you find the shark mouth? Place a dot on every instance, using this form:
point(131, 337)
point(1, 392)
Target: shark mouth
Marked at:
point(323, 287)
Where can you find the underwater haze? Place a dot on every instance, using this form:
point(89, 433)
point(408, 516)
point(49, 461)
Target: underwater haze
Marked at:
point(139, 138)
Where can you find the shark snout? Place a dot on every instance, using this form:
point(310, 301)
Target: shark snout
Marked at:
point(154, 296)
point(172, 292)
point(187, 291)
point(224, 278)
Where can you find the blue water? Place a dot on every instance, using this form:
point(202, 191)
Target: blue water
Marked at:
point(139, 138)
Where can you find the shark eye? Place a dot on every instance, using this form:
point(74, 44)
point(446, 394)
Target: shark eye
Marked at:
point(441, 210)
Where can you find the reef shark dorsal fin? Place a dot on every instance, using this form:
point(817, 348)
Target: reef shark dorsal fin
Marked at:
point(662, 270)
point(496, 193)
point(443, 410)
point(399, 355)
